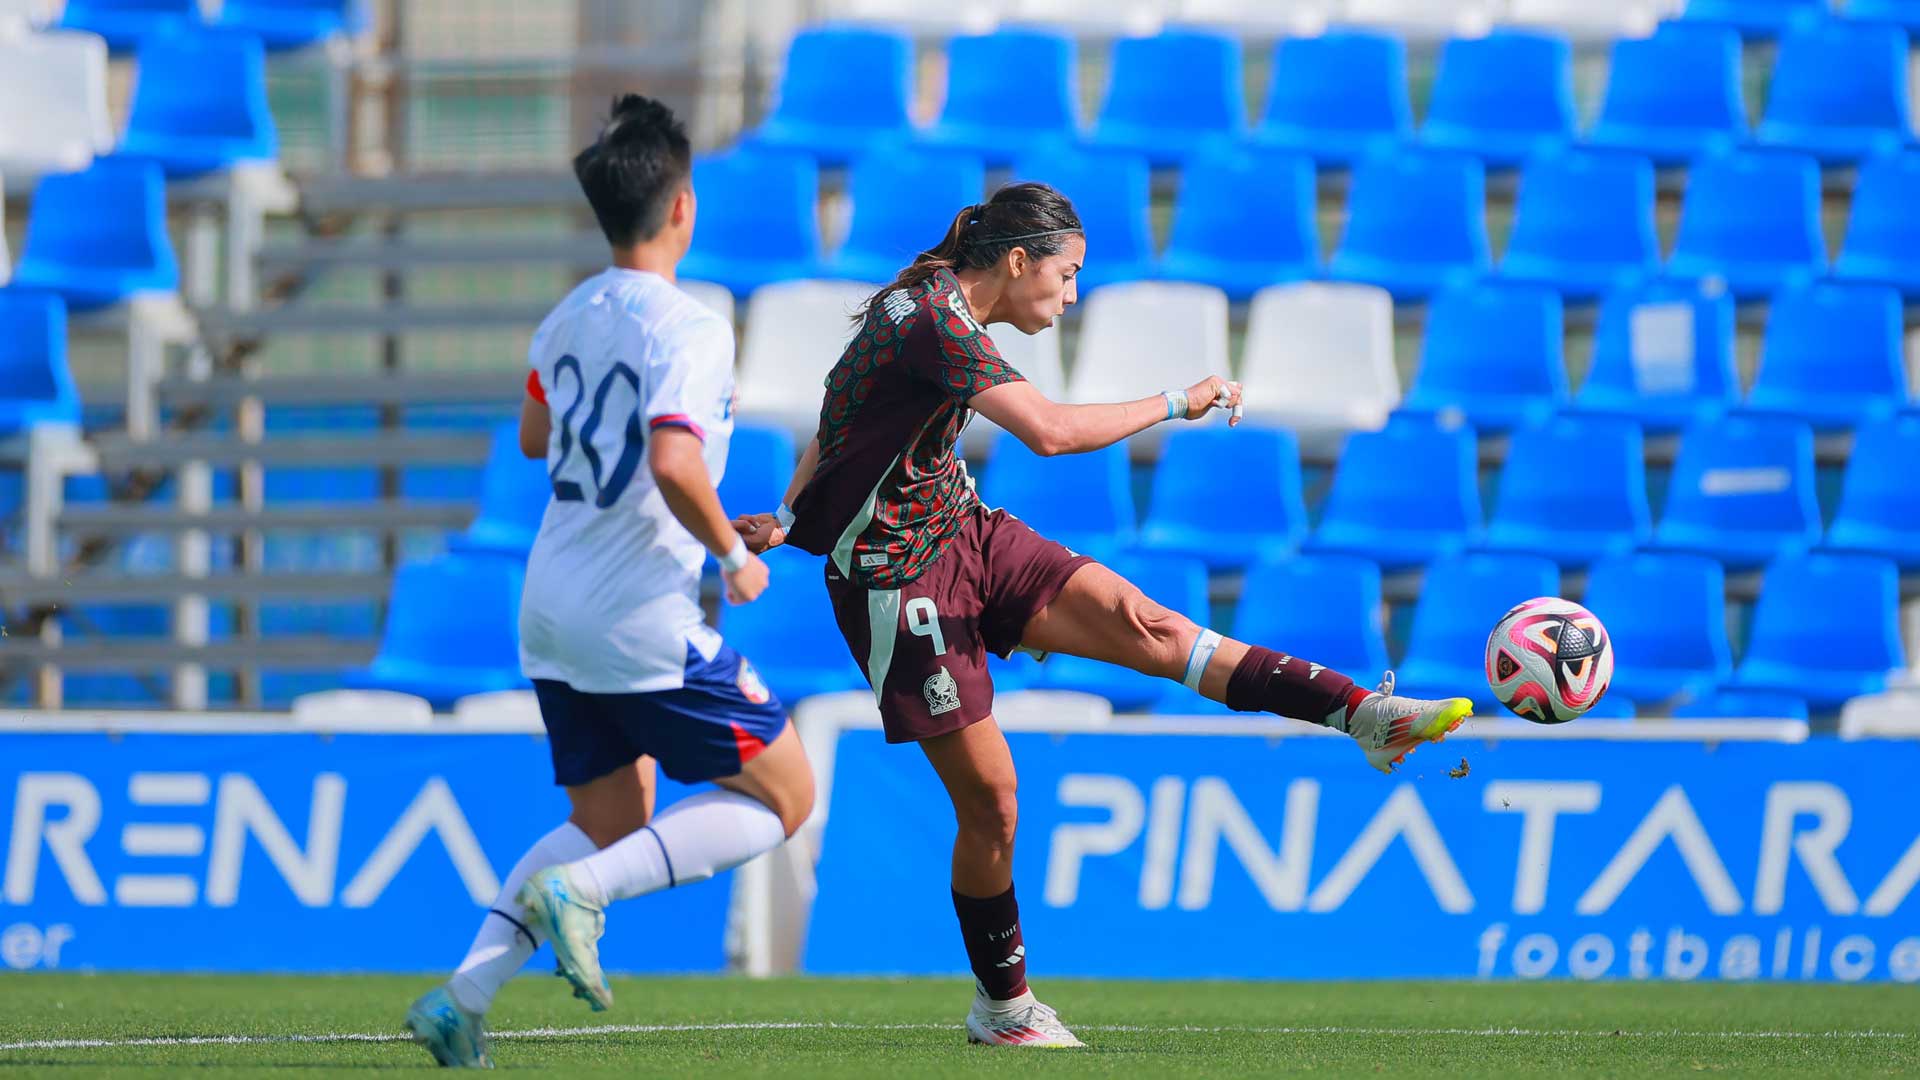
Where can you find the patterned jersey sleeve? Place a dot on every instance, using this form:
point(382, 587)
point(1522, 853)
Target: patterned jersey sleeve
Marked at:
point(954, 353)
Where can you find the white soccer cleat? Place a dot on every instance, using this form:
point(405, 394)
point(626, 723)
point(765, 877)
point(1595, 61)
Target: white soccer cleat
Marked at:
point(1024, 1021)
point(1389, 728)
point(573, 924)
point(456, 1038)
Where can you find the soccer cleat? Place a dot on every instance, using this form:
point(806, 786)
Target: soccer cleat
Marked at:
point(456, 1038)
point(573, 925)
point(1020, 1022)
point(1389, 728)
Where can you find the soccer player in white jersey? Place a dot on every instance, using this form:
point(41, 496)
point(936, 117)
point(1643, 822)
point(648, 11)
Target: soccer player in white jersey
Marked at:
point(630, 403)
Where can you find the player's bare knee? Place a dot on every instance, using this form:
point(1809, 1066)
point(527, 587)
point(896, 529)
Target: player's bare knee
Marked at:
point(990, 816)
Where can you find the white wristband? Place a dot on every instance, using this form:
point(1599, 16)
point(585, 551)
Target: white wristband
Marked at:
point(784, 516)
point(1176, 403)
point(735, 559)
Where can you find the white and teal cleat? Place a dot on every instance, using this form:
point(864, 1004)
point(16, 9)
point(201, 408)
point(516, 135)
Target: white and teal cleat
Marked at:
point(455, 1037)
point(573, 924)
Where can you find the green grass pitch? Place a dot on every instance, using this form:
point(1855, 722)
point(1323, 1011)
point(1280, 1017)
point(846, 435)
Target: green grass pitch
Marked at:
point(234, 1026)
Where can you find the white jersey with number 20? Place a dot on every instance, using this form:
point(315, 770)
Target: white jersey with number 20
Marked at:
point(612, 594)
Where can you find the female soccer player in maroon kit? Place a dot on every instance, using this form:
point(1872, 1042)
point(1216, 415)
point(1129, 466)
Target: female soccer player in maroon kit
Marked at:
point(925, 580)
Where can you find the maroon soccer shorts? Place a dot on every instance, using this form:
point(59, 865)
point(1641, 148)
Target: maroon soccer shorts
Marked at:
point(924, 646)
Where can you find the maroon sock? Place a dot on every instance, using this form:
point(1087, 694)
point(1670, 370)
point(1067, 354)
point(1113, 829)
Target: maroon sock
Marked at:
point(991, 928)
point(1267, 681)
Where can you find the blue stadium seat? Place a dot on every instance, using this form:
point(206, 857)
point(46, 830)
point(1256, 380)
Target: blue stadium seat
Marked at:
point(1326, 608)
point(1883, 231)
point(1834, 355)
point(789, 634)
point(1541, 512)
point(1583, 224)
point(844, 91)
point(1827, 627)
point(1404, 495)
point(453, 629)
point(1243, 221)
point(1742, 491)
point(1839, 92)
point(321, 483)
point(759, 467)
point(126, 23)
point(513, 498)
point(1667, 616)
point(1663, 356)
point(1880, 496)
point(1175, 581)
point(1267, 516)
point(1340, 97)
point(1902, 13)
point(1172, 96)
point(36, 386)
point(758, 220)
point(1109, 191)
point(99, 236)
point(1674, 96)
point(1494, 354)
point(976, 118)
point(1752, 219)
point(1416, 222)
point(200, 103)
point(904, 201)
point(1743, 705)
point(296, 24)
point(1503, 98)
point(1757, 18)
point(1461, 598)
point(1084, 501)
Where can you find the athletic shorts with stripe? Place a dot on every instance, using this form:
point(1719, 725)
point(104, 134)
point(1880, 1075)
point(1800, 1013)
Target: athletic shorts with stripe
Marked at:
point(924, 646)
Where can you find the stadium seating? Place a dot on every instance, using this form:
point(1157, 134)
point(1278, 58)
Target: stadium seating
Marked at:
point(758, 220)
point(453, 629)
point(1326, 608)
point(1666, 614)
point(1663, 357)
point(1589, 20)
point(1114, 18)
point(1340, 96)
point(513, 500)
point(1493, 353)
point(1751, 218)
point(1504, 98)
point(1902, 13)
point(201, 102)
point(1109, 191)
point(904, 201)
point(1035, 356)
point(1322, 356)
point(975, 117)
point(844, 89)
point(1173, 96)
point(1742, 491)
point(1827, 627)
point(1460, 598)
point(1177, 582)
point(759, 467)
point(1416, 222)
point(99, 236)
point(56, 86)
point(1244, 221)
point(35, 385)
point(796, 331)
point(1879, 509)
point(1756, 18)
point(1423, 19)
point(1144, 337)
point(1265, 518)
point(1540, 511)
point(126, 23)
point(1084, 501)
point(296, 24)
point(1673, 96)
point(1833, 356)
point(789, 634)
point(934, 20)
point(1403, 496)
point(1257, 20)
point(1839, 92)
point(1743, 705)
point(1883, 232)
point(716, 298)
point(1583, 224)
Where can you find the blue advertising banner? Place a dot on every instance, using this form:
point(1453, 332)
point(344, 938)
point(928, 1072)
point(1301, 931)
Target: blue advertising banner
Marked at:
point(1200, 857)
point(290, 852)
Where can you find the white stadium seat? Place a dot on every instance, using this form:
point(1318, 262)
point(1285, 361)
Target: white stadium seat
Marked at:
point(1591, 20)
point(6, 257)
point(1258, 19)
point(1428, 19)
point(795, 332)
point(19, 17)
point(916, 16)
point(717, 297)
point(1143, 337)
point(360, 710)
point(1038, 358)
point(1319, 360)
point(55, 88)
point(1108, 18)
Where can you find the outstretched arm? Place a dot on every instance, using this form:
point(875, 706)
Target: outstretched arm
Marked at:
point(1049, 427)
point(763, 531)
point(674, 457)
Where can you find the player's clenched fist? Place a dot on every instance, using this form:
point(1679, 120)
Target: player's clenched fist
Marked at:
point(1214, 392)
point(760, 531)
point(745, 585)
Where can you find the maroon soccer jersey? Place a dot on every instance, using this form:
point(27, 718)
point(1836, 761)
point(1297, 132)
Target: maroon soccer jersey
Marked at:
point(890, 493)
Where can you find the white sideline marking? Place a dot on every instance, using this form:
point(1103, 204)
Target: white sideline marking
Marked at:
point(805, 1025)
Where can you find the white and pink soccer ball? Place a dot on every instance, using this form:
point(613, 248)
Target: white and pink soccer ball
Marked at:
point(1549, 660)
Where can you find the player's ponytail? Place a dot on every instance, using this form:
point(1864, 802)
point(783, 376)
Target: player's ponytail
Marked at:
point(1025, 215)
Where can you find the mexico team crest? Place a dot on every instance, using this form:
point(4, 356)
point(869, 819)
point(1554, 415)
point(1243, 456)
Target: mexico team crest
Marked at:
point(942, 692)
point(752, 687)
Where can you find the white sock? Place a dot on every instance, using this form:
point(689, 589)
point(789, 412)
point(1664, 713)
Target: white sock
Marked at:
point(502, 948)
point(690, 841)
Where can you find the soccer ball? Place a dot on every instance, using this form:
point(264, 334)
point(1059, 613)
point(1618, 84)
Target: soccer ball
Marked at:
point(1549, 660)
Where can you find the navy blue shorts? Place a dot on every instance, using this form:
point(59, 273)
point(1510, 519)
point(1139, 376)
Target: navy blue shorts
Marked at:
point(709, 728)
